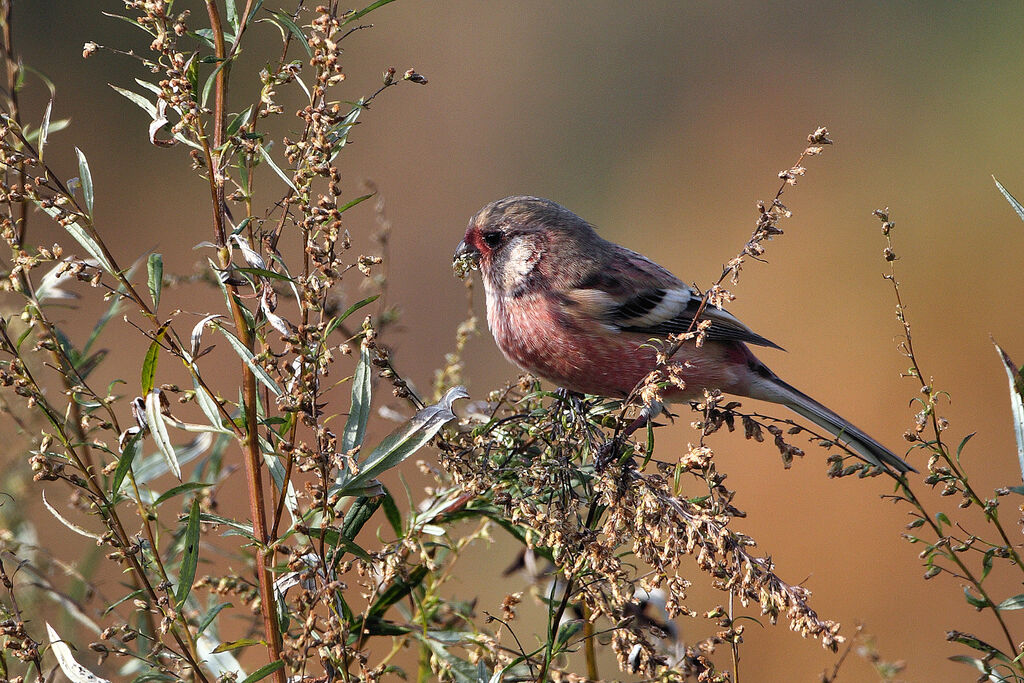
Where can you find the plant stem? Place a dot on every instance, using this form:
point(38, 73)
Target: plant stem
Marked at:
point(252, 459)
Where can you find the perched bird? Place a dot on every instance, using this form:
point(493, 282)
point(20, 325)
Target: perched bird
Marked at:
point(580, 311)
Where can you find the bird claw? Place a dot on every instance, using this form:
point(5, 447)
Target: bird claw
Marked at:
point(608, 453)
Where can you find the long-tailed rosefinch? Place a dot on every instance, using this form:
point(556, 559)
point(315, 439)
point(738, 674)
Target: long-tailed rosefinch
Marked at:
point(579, 311)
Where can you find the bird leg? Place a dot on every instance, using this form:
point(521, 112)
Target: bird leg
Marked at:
point(612, 449)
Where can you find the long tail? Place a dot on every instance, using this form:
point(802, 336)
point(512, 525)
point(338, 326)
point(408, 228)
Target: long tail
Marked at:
point(769, 387)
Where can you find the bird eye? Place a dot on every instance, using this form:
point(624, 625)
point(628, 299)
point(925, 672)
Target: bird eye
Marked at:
point(492, 239)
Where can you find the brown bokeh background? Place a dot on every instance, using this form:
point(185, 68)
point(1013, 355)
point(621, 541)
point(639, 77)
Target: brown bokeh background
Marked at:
point(662, 123)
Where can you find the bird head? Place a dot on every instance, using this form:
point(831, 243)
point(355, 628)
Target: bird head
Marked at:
point(518, 240)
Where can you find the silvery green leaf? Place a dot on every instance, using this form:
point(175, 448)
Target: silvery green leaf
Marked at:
point(44, 129)
point(359, 413)
point(50, 284)
point(138, 100)
point(75, 672)
point(1010, 198)
point(197, 332)
point(155, 268)
point(270, 162)
point(82, 237)
point(208, 405)
point(158, 429)
point(1016, 402)
point(74, 527)
point(404, 441)
point(250, 360)
point(85, 177)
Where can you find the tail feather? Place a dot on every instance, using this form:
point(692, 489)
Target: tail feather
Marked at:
point(777, 391)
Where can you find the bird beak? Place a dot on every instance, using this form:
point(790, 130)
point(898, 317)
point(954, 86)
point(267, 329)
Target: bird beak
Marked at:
point(466, 252)
point(466, 258)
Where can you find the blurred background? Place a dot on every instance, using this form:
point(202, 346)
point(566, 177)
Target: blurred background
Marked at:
point(663, 123)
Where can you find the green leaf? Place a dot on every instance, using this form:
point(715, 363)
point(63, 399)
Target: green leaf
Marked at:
point(210, 616)
point(397, 591)
point(85, 177)
point(180, 488)
point(358, 514)
point(339, 542)
point(1016, 402)
point(270, 162)
point(190, 555)
point(250, 360)
point(1010, 198)
point(149, 366)
point(359, 414)
point(941, 518)
point(208, 86)
point(235, 125)
point(232, 14)
point(124, 463)
point(264, 671)
point(404, 441)
point(238, 527)
point(358, 200)
point(331, 326)
point(974, 601)
point(391, 511)
point(235, 644)
point(461, 670)
point(286, 21)
point(155, 266)
point(366, 10)
point(566, 631)
point(1016, 602)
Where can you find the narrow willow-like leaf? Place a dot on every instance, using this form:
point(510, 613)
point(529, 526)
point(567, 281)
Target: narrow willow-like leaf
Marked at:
point(235, 125)
point(232, 14)
point(180, 488)
point(358, 514)
point(1010, 198)
point(207, 404)
point(264, 671)
point(75, 672)
point(124, 463)
point(250, 360)
point(404, 441)
point(235, 644)
point(397, 590)
point(1016, 403)
point(359, 414)
point(349, 311)
point(81, 236)
point(270, 162)
point(159, 431)
point(1016, 602)
point(238, 527)
point(190, 554)
point(366, 10)
point(44, 129)
point(358, 200)
point(210, 616)
point(68, 523)
point(137, 99)
point(155, 268)
point(300, 37)
point(149, 366)
point(85, 177)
